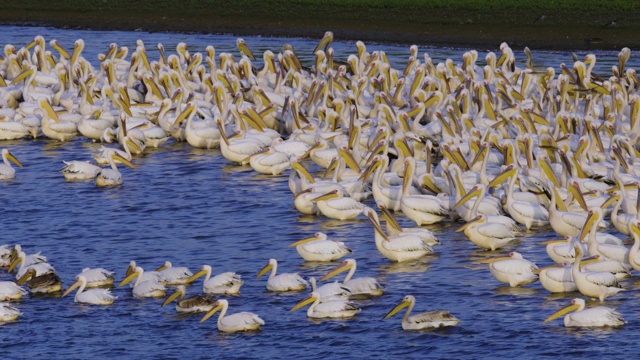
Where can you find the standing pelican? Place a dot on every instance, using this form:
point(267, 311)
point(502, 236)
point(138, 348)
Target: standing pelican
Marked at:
point(513, 269)
point(148, 288)
point(91, 296)
point(226, 283)
point(427, 320)
point(318, 248)
point(333, 309)
point(593, 317)
point(7, 172)
point(282, 282)
point(192, 304)
point(359, 287)
point(242, 321)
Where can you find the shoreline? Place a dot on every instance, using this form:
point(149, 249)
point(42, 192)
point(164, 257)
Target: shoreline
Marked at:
point(445, 28)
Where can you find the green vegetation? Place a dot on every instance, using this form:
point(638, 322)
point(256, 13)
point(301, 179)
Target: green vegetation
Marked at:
point(543, 24)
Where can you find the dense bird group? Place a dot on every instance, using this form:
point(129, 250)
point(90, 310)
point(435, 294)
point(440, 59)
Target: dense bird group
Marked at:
point(533, 148)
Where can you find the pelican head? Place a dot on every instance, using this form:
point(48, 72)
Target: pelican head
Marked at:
point(180, 291)
point(308, 300)
point(6, 153)
point(576, 304)
point(166, 265)
point(344, 266)
point(317, 236)
point(204, 270)
point(137, 272)
point(218, 305)
point(79, 281)
point(272, 263)
point(406, 301)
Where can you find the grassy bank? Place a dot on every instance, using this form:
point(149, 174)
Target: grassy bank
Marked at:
point(569, 24)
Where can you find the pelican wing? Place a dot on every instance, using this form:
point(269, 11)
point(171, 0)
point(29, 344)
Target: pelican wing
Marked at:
point(96, 296)
point(80, 167)
point(335, 306)
point(515, 266)
point(495, 230)
point(276, 158)
point(426, 204)
point(530, 210)
point(286, 281)
point(597, 316)
point(242, 318)
point(326, 247)
point(226, 279)
point(435, 318)
point(344, 203)
point(406, 243)
point(602, 278)
point(363, 285)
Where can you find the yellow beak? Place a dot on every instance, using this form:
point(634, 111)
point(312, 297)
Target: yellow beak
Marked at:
point(561, 312)
point(210, 313)
point(302, 303)
point(395, 310)
point(70, 289)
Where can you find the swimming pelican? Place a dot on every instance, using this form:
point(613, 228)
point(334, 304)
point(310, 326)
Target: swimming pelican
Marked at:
point(97, 277)
point(359, 287)
point(318, 248)
point(8, 313)
point(192, 304)
point(226, 283)
point(79, 170)
point(333, 309)
point(599, 285)
point(242, 321)
point(394, 228)
point(282, 282)
point(479, 190)
point(592, 317)
point(91, 296)
point(335, 205)
point(269, 161)
point(41, 284)
point(36, 262)
point(112, 177)
point(557, 278)
point(402, 247)
point(427, 320)
point(10, 291)
point(513, 269)
point(174, 275)
point(423, 209)
point(487, 235)
point(7, 172)
point(330, 291)
point(148, 288)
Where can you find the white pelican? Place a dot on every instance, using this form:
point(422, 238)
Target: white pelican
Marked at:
point(335, 206)
point(394, 228)
point(36, 262)
point(330, 291)
point(487, 235)
point(242, 321)
point(479, 190)
point(359, 287)
point(8, 313)
point(97, 277)
point(599, 285)
point(41, 284)
point(634, 261)
point(318, 248)
point(423, 209)
point(269, 161)
point(91, 296)
point(226, 283)
point(513, 269)
point(567, 223)
point(10, 291)
point(79, 170)
point(112, 177)
point(593, 317)
point(192, 304)
point(53, 127)
point(426, 320)
point(7, 172)
point(5, 256)
point(333, 309)
point(237, 150)
point(402, 247)
point(148, 288)
point(282, 282)
point(174, 275)
point(557, 278)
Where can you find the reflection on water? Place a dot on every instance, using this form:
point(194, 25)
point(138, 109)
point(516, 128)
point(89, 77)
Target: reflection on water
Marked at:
point(191, 207)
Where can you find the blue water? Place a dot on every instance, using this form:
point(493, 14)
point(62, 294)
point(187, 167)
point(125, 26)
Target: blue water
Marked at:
point(192, 207)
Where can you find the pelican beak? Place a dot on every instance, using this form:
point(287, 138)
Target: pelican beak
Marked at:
point(588, 224)
point(376, 224)
point(304, 241)
point(395, 310)
point(305, 191)
point(243, 48)
point(161, 268)
point(210, 313)
point(509, 171)
point(196, 276)
point(71, 288)
point(14, 263)
point(562, 311)
point(128, 279)
point(264, 270)
point(25, 277)
point(327, 196)
point(302, 303)
point(184, 114)
point(130, 270)
point(325, 41)
point(342, 268)
point(612, 199)
point(470, 195)
point(172, 297)
point(463, 227)
point(133, 145)
point(306, 154)
point(123, 160)
point(23, 75)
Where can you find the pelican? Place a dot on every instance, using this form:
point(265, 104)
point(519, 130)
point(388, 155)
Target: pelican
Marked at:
point(242, 321)
point(36, 262)
point(91, 296)
point(593, 317)
point(147, 288)
point(97, 277)
point(335, 206)
point(402, 247)
point(513, 269)
point(41, 284)
point(479, 190)
point(567, 223)
point(422, 209)
point(192, 304)
point(394, 228)
point(112, 177)
point(8, 313)
point(174, 275)
point(422, 321)
point(7, 172)
point(10, 291)
point(226, 283)
point(330, 291)
point(599, 285)
point(318, 248)
point(333, 309)
point(487, 235)
point(282, 282)
point(557, 278)
point(80, 170)
point(269, 161)
point(359, 287)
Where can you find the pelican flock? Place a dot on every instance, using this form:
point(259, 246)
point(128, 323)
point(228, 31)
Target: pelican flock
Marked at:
point(419, 141)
